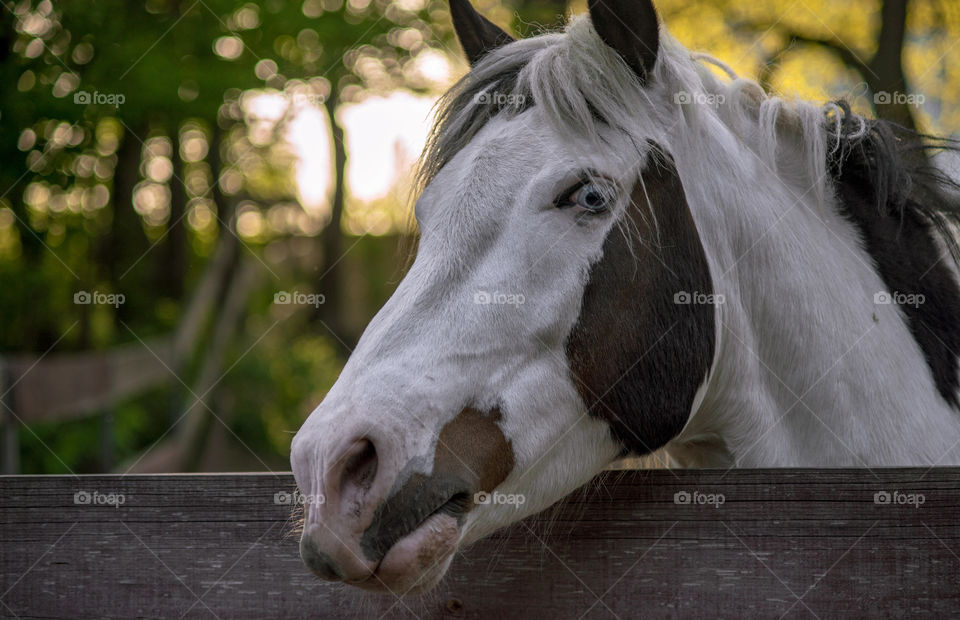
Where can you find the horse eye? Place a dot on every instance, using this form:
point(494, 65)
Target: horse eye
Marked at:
point(591, 196)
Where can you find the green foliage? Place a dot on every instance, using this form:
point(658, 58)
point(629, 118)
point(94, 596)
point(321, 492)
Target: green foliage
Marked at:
point(102, 100)
point(90, 191)
point(74, 446)
point(271, 392)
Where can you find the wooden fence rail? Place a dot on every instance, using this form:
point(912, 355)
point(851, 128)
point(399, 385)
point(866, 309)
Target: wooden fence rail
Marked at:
point(705, 544)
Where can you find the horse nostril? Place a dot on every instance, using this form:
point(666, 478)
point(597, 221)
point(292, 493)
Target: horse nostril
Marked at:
point(321, 564)
point(360, 467)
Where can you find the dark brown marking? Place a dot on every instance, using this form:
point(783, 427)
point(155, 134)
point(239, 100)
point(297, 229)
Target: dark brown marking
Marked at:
point(636, 355)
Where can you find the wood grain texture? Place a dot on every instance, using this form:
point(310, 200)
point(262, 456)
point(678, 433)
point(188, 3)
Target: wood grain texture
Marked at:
point(794, 543)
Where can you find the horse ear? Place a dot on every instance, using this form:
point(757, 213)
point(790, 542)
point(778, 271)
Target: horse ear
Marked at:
point(477, 34)
point(631, 28)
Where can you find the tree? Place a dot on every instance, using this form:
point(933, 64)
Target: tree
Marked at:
point(894, 58)
point(364, 51)
point(128, 157)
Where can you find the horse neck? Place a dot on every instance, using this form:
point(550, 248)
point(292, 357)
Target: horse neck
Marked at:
point(808, 370)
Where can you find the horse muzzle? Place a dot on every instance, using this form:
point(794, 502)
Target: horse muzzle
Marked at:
point(380, 527)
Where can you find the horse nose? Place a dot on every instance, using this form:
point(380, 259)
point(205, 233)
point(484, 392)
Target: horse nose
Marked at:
point(319, 563)
point(336, 519)
point(354, 471)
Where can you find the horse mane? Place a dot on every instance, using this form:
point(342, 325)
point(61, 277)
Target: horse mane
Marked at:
point(582, 84)
point(894, 165)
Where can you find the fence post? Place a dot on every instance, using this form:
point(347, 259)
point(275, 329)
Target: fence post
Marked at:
point(11, 426)
point(106, 441)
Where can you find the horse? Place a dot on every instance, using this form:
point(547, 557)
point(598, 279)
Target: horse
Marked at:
point(625, 247)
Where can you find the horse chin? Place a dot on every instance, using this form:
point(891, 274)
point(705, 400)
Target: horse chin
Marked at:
point(418, 561)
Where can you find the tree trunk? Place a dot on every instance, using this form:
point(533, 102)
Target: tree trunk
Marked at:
point(223, 205)
point(886, 78)
point(172, 266)
point(883, 73)
point(217, 275)
point(329, 284)
point(125, 241)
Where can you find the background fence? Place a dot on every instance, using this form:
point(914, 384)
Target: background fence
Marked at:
point(738, 544)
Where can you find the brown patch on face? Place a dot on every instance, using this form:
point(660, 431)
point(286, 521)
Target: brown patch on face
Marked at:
point(636, 355)
point(473, 447)
point(472, 455)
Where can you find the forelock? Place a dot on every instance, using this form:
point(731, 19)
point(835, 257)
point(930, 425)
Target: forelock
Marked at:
point(577, 80)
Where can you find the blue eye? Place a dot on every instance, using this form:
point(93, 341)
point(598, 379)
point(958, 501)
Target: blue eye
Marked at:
point(591, 196)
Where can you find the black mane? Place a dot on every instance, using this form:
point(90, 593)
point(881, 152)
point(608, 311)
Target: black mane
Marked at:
point(908, 214)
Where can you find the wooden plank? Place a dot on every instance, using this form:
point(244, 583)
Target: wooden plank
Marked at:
point(70, 385)
point(9, 425)
point(799, 543)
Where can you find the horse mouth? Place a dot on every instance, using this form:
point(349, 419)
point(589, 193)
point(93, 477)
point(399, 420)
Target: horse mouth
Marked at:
point(414, 534)
point(417, 561)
